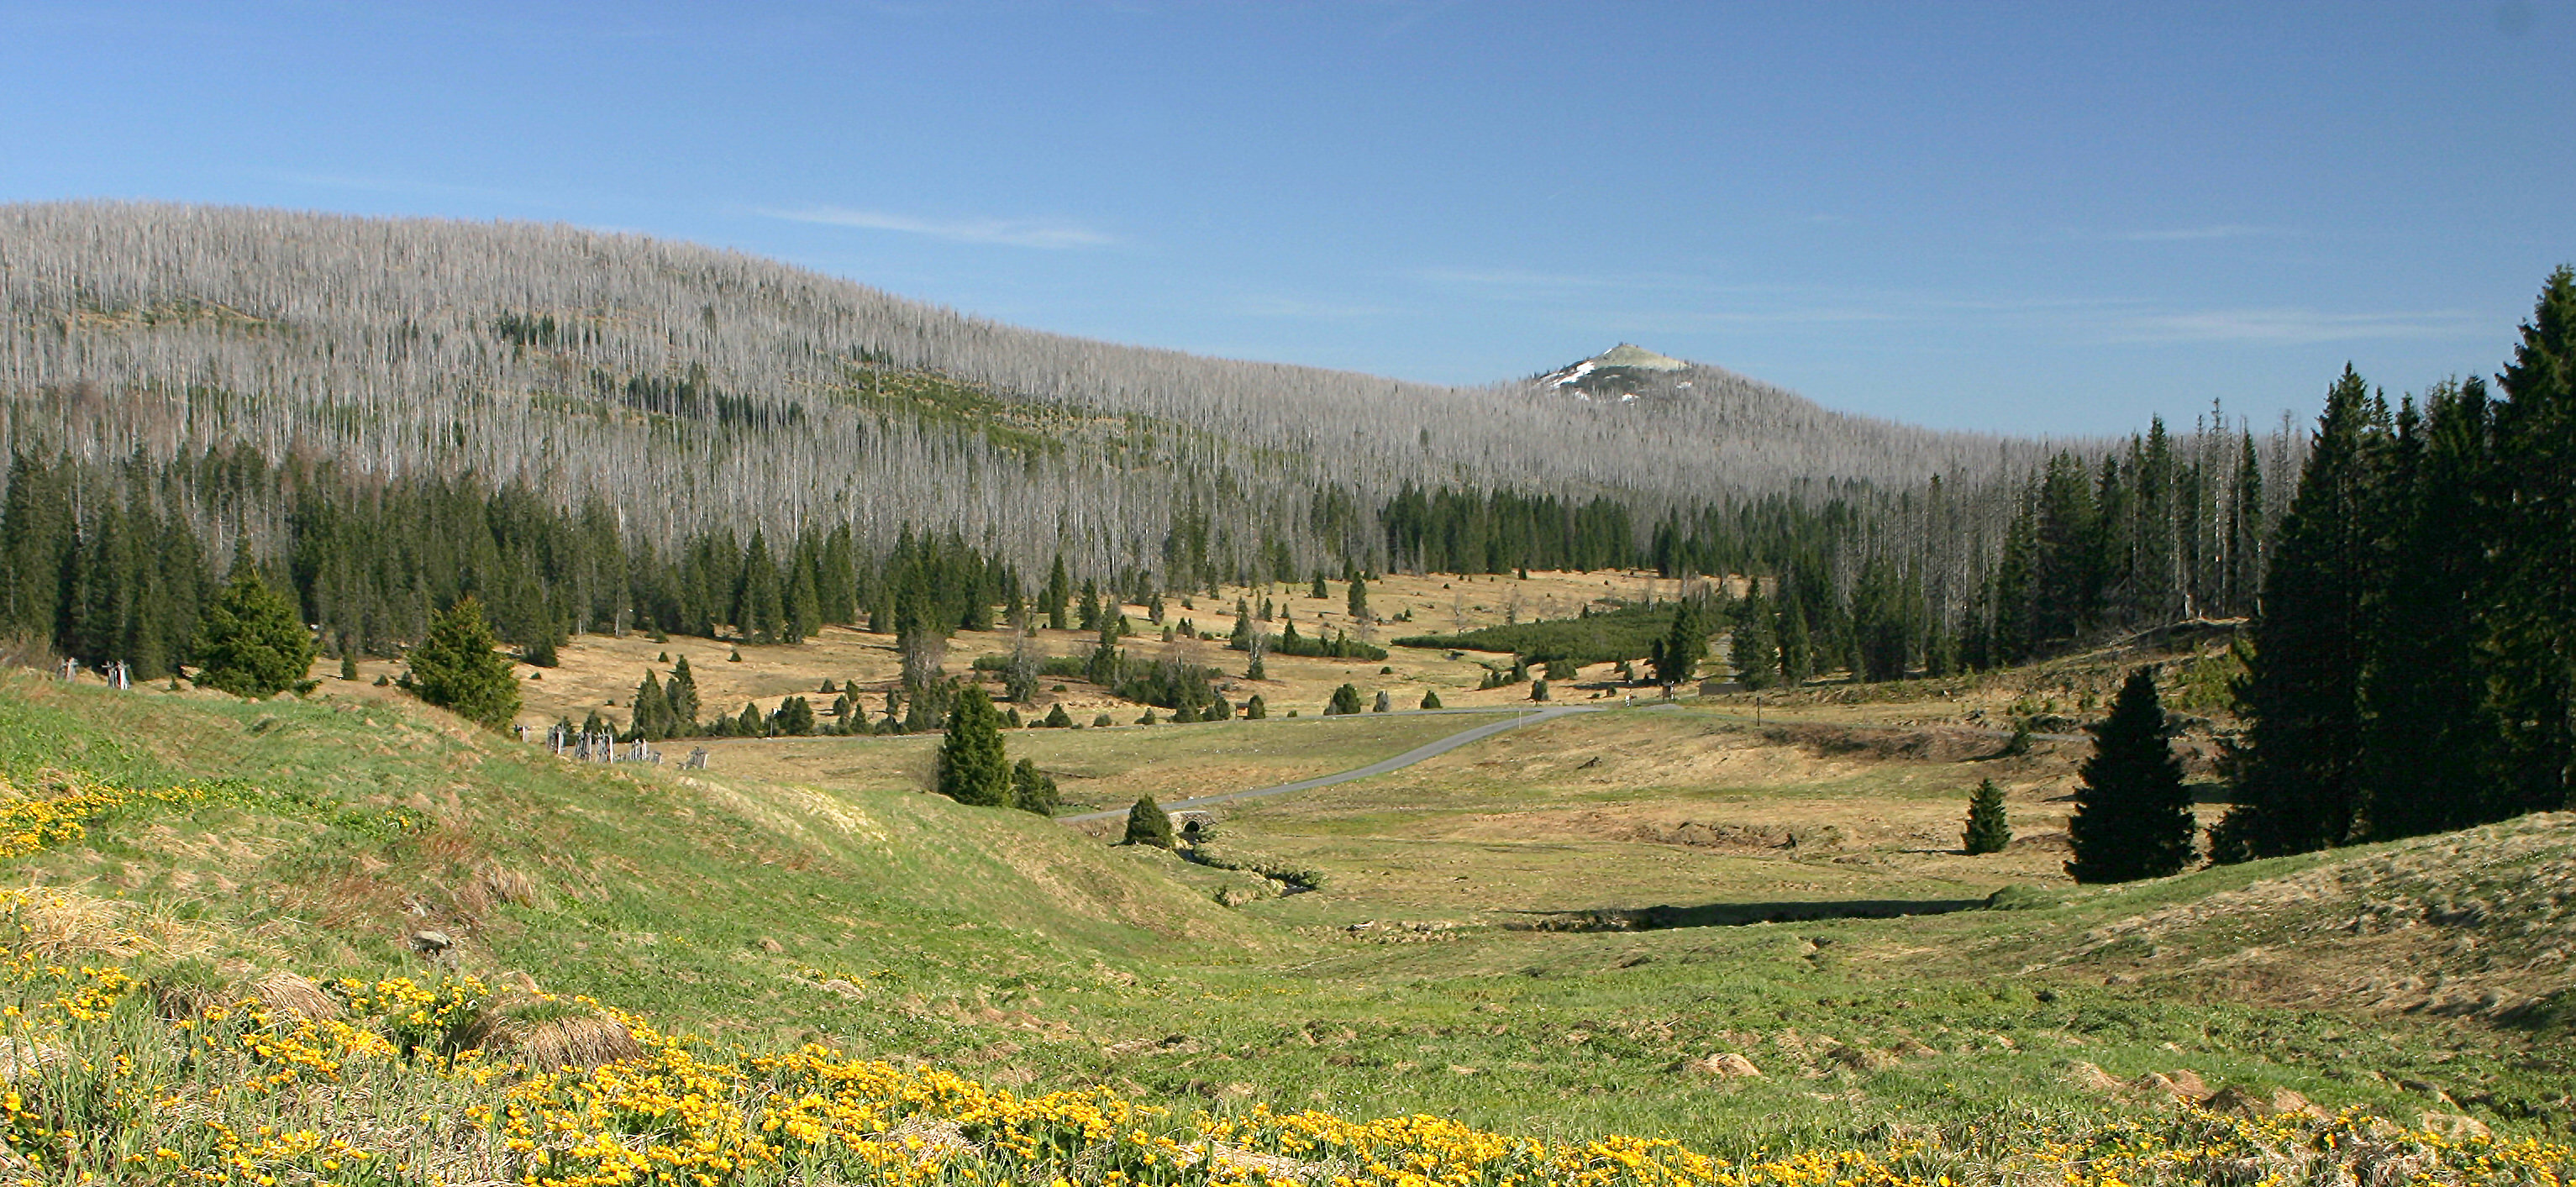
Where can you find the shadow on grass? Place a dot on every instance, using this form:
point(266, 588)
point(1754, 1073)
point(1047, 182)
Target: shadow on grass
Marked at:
point(1735, 914)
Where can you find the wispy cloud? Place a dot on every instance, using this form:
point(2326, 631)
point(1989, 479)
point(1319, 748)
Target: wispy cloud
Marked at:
point(1683, 321)
point(2196, 234)
point(1291, 307)
point(2289, 326)
point(1633, 303)
point(1526, 282)
point(1507, 278)
point(1057, 236)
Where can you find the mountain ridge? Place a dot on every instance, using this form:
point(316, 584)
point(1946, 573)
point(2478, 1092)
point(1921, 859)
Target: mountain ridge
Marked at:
point(573, 361)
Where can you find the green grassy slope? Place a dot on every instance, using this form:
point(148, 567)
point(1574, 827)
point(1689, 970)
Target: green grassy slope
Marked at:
point(1019, 951)
point(647, 888)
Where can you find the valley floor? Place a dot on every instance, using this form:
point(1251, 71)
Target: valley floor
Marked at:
point(1743, 928)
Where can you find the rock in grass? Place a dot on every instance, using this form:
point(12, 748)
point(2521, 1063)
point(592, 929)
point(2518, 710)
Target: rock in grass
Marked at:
point(931, 1136)
point(431, 943)
point(2286, 1103)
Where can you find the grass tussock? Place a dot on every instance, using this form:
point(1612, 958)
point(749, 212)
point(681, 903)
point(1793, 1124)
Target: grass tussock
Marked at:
point(545, 1033)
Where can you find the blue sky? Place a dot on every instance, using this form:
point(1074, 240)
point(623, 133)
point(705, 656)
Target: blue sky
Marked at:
point(2021, 217)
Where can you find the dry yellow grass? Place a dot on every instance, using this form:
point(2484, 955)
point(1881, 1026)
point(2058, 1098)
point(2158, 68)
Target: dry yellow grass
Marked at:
point(599, 672)
point(548, 1035)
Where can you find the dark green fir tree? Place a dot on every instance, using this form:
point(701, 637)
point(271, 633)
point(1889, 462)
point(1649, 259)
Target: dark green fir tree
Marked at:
point(1059, 591)
point(1032, 790)
point(651, 717)
point(2294, 774)
point(2532, 634)
point(249, 643)
point(1987, 831)
point(1148, 824)
point(2132, 814)
point(457, 667)
point(681, 691)
point(972, 767)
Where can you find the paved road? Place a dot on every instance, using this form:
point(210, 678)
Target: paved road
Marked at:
point(1406, 759)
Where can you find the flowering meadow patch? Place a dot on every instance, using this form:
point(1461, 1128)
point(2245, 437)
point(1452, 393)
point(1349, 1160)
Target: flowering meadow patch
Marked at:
point(108, 1075)
point(29, 823)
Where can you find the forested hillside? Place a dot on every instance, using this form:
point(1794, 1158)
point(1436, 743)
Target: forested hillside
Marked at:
point(2414, 669)
point(695, 388)
point(591, 431)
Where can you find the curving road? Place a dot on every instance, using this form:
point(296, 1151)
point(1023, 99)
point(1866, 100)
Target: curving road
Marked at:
point(1406, 759)
point(1456, 740)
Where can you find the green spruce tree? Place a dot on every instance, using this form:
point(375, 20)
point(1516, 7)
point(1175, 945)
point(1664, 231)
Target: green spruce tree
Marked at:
point(972, 767)
point(1987, 830)
point(2132, 814)
point(1797, 649)
point(457, 667)
point(682, 694)
point(793, 718)
point(650, 718)
point(761, 609)
point(1148, 824)
point(803, 608)
point(1676, 656)
point(2429, 757)
point(1059, 590)
point(249, 643)
point(2531, 634)
point(2294, 773)
point(1032, 790)
point(1751, 646)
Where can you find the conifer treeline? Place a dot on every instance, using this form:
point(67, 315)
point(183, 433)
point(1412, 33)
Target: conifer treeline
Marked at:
point(110, 563)
point(2144, 539)
point(115, 564)
point(1965, 576)
point(2414, 666)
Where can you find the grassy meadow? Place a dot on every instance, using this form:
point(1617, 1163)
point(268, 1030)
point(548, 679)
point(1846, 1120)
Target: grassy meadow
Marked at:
point(816, 972)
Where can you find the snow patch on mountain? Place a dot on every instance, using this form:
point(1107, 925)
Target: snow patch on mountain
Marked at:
point(1622, 372)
